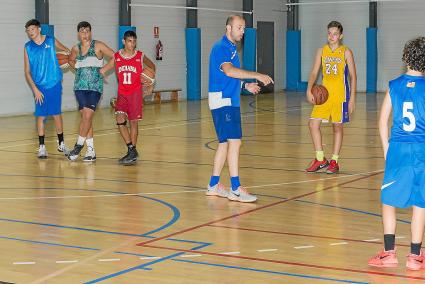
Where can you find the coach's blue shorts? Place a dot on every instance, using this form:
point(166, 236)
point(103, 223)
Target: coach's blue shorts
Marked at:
point(404, 180)
point(52, 101)
point(227, 122)
point(87, 99)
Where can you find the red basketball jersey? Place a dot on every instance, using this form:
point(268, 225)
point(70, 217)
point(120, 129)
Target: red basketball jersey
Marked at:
point(128, 70)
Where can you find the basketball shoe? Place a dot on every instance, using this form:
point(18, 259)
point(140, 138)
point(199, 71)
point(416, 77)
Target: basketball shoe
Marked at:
point(415, 262)
point(241, 195)
point(74, 153)
point(384, 259)
point(217, 190)
point(317, 165)
point(42, 152)
point(130, 158)
point(62, 148)
point(333, 167)
point(90, 155)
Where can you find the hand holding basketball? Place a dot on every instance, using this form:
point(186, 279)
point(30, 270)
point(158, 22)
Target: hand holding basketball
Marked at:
point(148, 76)
point(320, 94)
point(63, 59)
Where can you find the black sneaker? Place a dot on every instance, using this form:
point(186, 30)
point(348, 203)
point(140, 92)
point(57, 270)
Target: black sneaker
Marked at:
point(130, 158)
point(74, 153)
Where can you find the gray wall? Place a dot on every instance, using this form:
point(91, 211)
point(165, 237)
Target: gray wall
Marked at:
point(103, 15)
point(313, 22)
point(397, 23)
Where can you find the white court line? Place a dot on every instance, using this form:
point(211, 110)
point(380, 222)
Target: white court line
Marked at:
point(400, 237)
point(150, 257)
point(108, 259)
point(266, 250)
point(307, 181)
point(177, 192)
point(156, 127)
point(99, 195)
point(303, 247)
point(338, 244)
point(191, 255)
point(372, 240)
point(24, 263)
point(67, 261)
point(231, 252)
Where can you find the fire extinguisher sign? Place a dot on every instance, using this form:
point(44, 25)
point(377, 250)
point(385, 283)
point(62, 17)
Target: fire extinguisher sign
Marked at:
point(159, 49)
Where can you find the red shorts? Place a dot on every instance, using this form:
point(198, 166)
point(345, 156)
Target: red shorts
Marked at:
point(130, 105)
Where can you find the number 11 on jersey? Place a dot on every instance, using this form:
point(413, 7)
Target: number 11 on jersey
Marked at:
point(127, 78)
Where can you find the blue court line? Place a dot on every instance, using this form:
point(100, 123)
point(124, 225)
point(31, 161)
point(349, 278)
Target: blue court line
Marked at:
point(142, 266)
point(349, 209)
point(48, 243)
point(132, 253)
point(270, 271)
point(333, 206)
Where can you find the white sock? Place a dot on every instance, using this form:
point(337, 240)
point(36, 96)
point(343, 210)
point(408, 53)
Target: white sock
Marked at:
point(80, 140)
point(90, 143)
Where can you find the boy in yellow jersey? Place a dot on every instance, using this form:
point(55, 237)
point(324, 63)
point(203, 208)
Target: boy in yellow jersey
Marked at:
point(339, 77)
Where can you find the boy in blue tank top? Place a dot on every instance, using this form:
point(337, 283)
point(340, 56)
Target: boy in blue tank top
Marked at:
point(44, 76)
point(404, 179)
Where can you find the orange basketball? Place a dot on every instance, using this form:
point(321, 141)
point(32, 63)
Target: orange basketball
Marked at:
point(148, 76)
point(63, 59)
point(320, 94)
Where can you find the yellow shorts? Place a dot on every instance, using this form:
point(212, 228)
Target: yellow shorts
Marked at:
point(335, 111)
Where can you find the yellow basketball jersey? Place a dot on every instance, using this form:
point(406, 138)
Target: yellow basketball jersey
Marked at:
point(335, 73)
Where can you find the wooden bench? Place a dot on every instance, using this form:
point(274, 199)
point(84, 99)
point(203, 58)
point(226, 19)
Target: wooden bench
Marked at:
point(157, 97)
point(164, 95)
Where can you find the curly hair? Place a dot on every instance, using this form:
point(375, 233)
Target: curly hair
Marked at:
point(414, 54)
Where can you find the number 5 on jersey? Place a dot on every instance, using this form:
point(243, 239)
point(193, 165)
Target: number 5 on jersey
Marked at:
point(408, 113)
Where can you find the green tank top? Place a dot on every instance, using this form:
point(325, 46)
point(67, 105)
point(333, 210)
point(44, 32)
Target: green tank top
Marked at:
point(87, 75)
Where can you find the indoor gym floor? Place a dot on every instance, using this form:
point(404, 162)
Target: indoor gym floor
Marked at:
point(71, 222)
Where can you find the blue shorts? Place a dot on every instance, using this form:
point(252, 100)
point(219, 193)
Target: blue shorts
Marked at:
point(87, 99)
point(404, 179)
point(227, 122)
point(52, 101)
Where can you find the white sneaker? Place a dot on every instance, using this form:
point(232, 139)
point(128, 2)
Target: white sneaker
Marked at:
point(241, 195)
point(62, 148)
point(217, 190)
point(42, 152)
point(90, 155)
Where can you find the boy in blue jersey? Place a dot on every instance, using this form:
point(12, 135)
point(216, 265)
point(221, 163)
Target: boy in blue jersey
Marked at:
point(404, 180)
point(44, 76)
point(224, 102)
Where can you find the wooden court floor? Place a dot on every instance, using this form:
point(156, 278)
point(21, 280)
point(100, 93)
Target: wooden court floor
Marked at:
point(70, 222)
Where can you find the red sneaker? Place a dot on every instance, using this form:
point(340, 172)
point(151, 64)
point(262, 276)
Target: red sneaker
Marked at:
point(384, 259)
point(415, 262)
point(333, 167)
point(316, 165)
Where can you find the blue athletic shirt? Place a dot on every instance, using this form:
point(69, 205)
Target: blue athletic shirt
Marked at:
point(44, 65)
point(223, 90)
point(408, 102)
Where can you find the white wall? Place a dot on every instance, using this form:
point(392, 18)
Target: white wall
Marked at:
point(398, 22)
point(314, 19)
point(171, 71)
point(16, 96)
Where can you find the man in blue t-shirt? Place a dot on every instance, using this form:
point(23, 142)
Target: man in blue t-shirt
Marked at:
point(44, 76)
point(224, 101)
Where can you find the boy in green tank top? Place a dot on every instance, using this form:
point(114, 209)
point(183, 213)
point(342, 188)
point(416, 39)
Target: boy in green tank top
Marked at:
point(87, 59)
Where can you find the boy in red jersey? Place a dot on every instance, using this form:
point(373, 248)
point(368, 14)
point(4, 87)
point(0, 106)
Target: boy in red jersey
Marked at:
point(129, 64)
